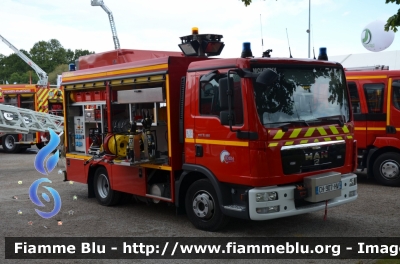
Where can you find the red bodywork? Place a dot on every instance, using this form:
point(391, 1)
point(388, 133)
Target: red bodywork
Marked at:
point(367, 129)
point(376, 112)
point(121, 56)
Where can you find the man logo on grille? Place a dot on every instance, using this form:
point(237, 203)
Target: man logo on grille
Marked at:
point(317, 156)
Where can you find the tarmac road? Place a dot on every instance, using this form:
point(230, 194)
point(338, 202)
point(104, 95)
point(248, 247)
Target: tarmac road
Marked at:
point(374, 214)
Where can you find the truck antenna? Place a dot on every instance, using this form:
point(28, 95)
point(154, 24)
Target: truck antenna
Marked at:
point(262, 41)
point(313, 50)
point(290, 52)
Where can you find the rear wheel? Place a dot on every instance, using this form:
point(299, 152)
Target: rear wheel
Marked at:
point(202, 207)
point(102, 188)
point(9, 143)
point(40, 145)
point(387, 169)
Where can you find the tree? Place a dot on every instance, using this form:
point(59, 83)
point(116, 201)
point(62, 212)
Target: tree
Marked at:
point(47, 55)
point(15, 78)
point(70, 56)
point(394, 21)
point(57, 71)
point(29, 77)
point(50, 55)
point(248, 2)
point(80, 52)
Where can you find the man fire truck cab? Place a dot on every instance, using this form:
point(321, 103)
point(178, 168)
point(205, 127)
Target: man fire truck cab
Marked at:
point(375, 99)
point(252, 138)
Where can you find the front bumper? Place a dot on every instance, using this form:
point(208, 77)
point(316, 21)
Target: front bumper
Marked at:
point(286, 201)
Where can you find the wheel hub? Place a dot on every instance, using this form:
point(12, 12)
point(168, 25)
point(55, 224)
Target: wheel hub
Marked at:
point(203, 205)
point(103, 186)
point(390, 169)
point(9, 142)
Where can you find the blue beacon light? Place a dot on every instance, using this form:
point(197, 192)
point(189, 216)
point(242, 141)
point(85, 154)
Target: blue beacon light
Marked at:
point(322, 54)
point(246, 50)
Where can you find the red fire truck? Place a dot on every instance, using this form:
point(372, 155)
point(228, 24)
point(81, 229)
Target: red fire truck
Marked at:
point(375, 99)
point(252, 138)
point(32, 97)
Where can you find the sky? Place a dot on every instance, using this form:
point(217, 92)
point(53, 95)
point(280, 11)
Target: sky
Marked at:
point(158, 24)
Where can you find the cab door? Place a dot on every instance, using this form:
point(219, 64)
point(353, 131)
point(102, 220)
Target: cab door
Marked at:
point(216, 147)
point(394, 107)
point(359, 113)
point(375, 93)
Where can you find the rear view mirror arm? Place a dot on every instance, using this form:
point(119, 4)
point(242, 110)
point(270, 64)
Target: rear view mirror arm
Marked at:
point(229, 94)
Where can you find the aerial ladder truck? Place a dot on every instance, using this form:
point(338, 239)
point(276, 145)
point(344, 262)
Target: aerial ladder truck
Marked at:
point(39, 97)
point(111, 18)
point(19, 120)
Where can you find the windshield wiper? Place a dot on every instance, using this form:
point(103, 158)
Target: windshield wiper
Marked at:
point(289, 122)
point(338, 119)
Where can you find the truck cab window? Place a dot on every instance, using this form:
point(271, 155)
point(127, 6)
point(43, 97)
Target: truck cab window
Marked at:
point(354, 97)
point(305, 94)
point(210, 101)
point(374, 96)
point(396, 93)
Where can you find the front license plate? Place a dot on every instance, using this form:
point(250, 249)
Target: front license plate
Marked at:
point(328, 187)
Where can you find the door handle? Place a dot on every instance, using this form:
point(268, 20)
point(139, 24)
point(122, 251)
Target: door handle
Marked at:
point(390, 130)
point(199, 150)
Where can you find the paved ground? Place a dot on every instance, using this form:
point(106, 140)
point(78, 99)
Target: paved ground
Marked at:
point(374, 214)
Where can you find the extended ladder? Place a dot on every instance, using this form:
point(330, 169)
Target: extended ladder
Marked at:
point(19, 120)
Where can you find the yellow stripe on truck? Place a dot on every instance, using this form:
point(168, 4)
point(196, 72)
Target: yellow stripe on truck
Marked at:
point(309, 132)
point(295, 133)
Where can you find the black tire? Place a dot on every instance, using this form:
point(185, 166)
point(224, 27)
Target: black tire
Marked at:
point(9, 143)
point(102, 189)
point(40, 145)
point(387, 169)
point(202, 207)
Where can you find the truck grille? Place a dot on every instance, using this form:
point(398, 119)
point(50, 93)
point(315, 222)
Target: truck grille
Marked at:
point(313, 156)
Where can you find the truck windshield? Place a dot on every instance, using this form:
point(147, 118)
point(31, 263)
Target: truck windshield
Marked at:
point(302, 96)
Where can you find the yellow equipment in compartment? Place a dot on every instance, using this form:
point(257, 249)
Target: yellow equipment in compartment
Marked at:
point(117, 145)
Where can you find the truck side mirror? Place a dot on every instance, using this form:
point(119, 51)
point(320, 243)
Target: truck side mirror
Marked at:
point(225, 116)
point(267, 77)
point(209, 76)
point(224, 93)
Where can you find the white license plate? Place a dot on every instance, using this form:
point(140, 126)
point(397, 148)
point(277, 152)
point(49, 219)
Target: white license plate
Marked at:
point(328, 187)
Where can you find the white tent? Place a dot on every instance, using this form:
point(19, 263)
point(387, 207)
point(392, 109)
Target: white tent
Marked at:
point(387, 58)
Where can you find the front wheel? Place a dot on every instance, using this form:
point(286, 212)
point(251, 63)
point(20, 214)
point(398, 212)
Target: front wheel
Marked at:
point(202, 207)
point(387, 169)
point(9, 143)
point(102, 188)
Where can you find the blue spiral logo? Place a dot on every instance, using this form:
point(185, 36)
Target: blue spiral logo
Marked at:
point(44, 152)
point(35, 199)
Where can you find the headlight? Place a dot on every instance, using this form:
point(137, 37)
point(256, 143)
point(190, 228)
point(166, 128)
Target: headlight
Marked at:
point(266, 196)
point(267, 210)
point(353, 181)
point(352, 193)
